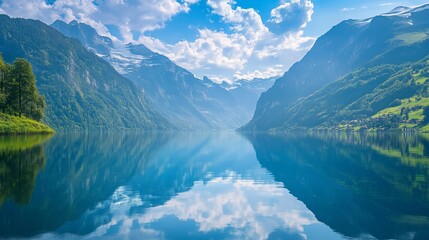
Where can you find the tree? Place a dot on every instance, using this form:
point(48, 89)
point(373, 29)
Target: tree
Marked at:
point(3, 95)
point(25, 98)
point(18, 91)
point(426, 115)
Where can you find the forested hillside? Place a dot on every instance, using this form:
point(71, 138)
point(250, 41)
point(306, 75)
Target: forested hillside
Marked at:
point(81, 90)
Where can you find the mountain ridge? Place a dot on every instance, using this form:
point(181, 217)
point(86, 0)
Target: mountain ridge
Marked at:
point(348, 46)
point(82, 91)
point(186, 101)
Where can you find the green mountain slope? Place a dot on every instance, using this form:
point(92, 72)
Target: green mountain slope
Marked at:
point(82, 91)
point(397, 37)
point(385, 96)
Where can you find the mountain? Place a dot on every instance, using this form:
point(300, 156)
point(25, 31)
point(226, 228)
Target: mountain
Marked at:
point(381, 97)
point(82, 90)
point(394, 38)
point(247, 92)
point(186, 101)
point(92, 40)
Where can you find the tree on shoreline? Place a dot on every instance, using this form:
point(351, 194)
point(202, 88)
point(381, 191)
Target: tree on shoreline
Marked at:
point(18, 91)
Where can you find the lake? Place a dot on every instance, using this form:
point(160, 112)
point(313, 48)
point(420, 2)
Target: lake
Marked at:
point(215, 185)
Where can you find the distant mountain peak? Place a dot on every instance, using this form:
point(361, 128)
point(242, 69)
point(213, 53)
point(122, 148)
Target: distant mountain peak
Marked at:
point(399, 9)
point(206, 79)
point(58, 21)
point(81, 31)
point(420, 8)
point(188, 102)
point(406, 11)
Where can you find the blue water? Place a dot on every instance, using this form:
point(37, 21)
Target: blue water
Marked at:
point(215, 185)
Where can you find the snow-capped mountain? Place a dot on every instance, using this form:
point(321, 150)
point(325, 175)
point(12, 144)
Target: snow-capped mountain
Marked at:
point(188, 102)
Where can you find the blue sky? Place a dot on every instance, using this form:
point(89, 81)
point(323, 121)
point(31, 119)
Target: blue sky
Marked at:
point(222, 39)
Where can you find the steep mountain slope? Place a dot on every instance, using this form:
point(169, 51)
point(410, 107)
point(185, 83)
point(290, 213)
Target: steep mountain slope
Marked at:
point(186, 101)
point(82, 90)
point(183, 99)
point(89, 36)
point(393, 38)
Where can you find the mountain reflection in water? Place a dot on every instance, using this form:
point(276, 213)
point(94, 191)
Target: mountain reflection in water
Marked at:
point(215, 185)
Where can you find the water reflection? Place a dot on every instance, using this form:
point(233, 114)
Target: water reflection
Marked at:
point(21, 159)
point(81, 171)
point(203, 186)
point(217, 209)
point(359, 184)
point(222, 186)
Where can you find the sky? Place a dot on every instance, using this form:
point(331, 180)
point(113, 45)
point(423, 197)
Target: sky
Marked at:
point(225, 40)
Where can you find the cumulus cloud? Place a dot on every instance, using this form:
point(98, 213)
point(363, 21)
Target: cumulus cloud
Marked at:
point(217, 49)
point(290, 16)
point(39, 9)
point(141, 15)
point(246, 21)
point(213, 48)
point(295, 41)
point(250, 46)
point(128, 16)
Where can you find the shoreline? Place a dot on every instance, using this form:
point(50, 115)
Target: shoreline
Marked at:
point(13, 125)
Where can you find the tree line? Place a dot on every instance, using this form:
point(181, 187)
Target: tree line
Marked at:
point(18, 91)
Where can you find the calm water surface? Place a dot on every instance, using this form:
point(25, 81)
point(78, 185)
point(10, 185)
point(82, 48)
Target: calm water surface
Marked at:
point(219, 185)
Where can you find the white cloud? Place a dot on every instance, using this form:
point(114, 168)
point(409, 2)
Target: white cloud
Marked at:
point(128, 16)
point(66, 10)
point(213, 49)
point(347, 9)
point(289, 16)
point(141, 15)
point(250, 46)
point(216, 49)
point(246, 21)
point(294, 41)
point(39, 9)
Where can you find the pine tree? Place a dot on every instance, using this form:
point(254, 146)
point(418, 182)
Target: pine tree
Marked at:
point(3, 95)
point(29, 103)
